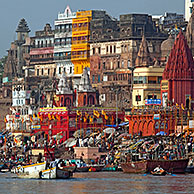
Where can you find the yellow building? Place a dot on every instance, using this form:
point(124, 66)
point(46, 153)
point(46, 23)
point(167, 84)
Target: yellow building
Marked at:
point(80, 50)
point(146, 84)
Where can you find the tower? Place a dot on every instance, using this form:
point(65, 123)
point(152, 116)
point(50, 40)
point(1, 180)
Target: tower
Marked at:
point(86, 94)
point(22, 33)
point(188, 9)
point(178, 76)
point(64, 95)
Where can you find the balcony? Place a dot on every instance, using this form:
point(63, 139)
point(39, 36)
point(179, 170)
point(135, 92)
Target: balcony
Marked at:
point(78, 57)
point(41, 60)
point(56, 58)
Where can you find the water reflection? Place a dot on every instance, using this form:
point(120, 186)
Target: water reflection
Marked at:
point(100, 183)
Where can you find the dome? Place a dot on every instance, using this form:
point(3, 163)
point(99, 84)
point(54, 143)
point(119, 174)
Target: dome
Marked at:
point(167, 46)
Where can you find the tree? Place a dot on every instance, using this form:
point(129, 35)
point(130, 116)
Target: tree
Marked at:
point(2, 64)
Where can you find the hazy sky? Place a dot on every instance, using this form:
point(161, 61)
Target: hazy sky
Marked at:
point(39, 12)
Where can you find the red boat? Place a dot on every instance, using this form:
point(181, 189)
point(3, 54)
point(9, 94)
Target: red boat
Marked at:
point(170, 166)
point(135, 167)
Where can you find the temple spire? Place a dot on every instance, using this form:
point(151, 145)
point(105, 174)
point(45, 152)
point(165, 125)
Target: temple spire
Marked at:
point(180, 63)
point(143, 56)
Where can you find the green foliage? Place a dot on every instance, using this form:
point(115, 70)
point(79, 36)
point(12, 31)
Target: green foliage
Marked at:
point(2, 64)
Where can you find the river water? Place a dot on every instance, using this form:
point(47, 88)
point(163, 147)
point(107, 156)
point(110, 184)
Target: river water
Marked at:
point(100, 183)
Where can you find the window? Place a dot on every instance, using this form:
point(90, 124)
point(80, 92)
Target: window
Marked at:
point(99, 50)
point(110, 49)
point(93, 51)
point(54, 73)
point(128, 63)
point(48, 71)
point(99, 65)
point(152, 96)
point(152, 79)
point(138, 98)
point(37, 72)
point(64, 70)
point(114, 49)
point(93, 78)
point(71, 70)
point(159, 79)
point(42, 71)
point(59, 70)
point(106, 49)
point(118, 64)
point(140, 80)
point(98, 78)
point(122, 63)
point(104, 65)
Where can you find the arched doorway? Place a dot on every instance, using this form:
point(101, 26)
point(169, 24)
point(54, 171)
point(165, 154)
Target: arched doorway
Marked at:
point(91, 100)
point(67, 102)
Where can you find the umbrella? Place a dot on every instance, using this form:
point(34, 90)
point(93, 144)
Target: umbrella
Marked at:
point(68, 140)
point(71, 143)
point(109, 130)
point(122, 124)
point(161, 133)
point(124, 135)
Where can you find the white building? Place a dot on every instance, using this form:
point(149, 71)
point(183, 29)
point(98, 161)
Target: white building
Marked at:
point(188, 9)
point(63, 38)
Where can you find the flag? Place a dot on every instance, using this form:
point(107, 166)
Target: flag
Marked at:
point(188, 113)
point(177, 105)
point(5, 120)
point(53, 116)
point(49, 116)
point(182, 106)
point(106, 117)
point(103, 112)
point(86, 115)
point(13, 121)
point(31, 118)
point(85, 119)
point(132, 109)
point(22, 120)
point(96, 113)
point(34, 116)
point(91, 119)
point(78, 113)
point(58, 117)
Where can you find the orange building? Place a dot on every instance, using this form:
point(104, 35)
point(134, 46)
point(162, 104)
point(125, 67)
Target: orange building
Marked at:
point(80, 49)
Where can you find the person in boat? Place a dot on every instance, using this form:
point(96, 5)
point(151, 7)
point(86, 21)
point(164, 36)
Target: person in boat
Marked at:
point(39, 160)
point(158, 169)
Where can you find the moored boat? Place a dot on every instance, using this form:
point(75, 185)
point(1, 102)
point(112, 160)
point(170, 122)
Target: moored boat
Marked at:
point(55, 173)
point(134, 167)
point(82, 169)
point(170, 166)
point(110, 167)
point(96, 168)
point(30, 171)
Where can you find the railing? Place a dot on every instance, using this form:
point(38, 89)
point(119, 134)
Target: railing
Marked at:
point(62, 57)
point(41, 59)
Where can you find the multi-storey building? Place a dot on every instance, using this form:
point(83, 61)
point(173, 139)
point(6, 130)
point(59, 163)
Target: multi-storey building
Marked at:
point(63, 41)
point(80, 46)
point(42, 52)
point(112, 60)
point(188, 9)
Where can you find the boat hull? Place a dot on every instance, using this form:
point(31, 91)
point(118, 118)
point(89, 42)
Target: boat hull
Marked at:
point(134, 167)
point(30, 171)
point(170, 166)
point(55, 173)
point(83, 169)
